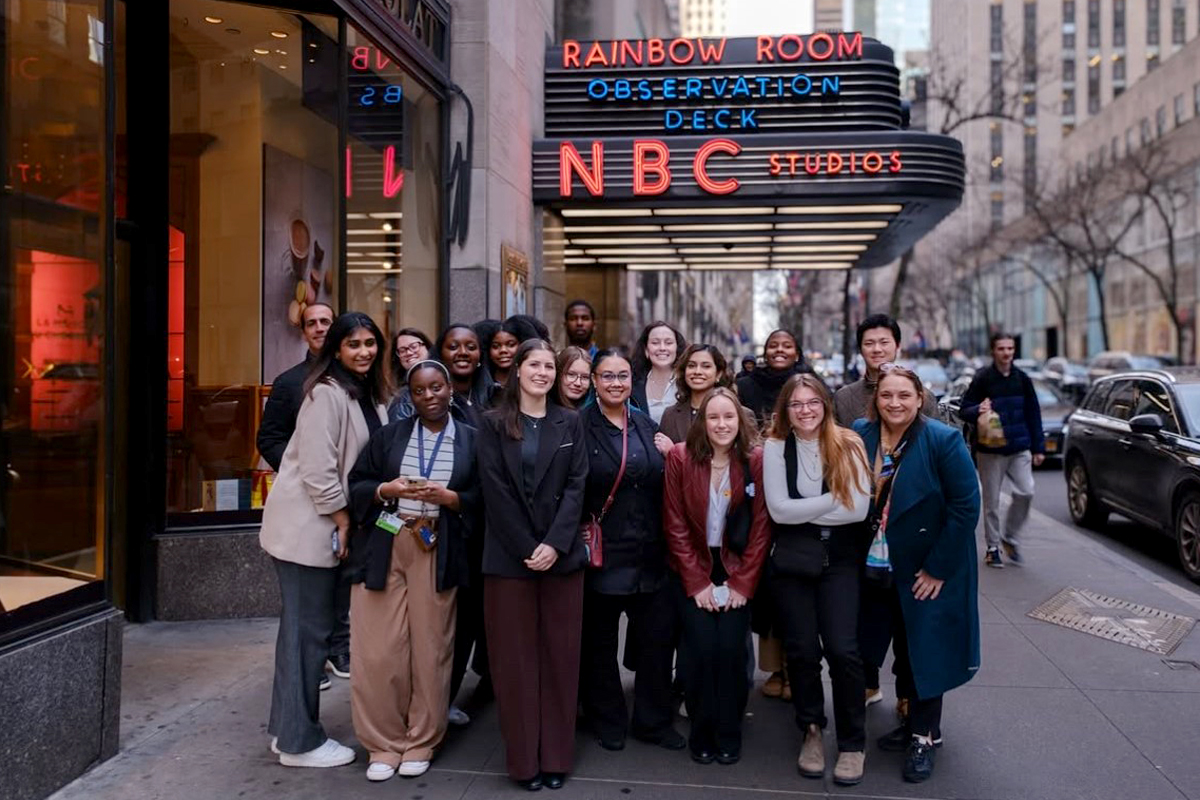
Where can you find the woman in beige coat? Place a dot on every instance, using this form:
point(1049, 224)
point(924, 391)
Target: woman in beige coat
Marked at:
point(306, 529)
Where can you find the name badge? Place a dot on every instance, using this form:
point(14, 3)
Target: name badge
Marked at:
point(389, 522)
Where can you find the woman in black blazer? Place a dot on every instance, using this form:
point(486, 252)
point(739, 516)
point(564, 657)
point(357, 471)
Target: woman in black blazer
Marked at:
point(415, 478)
point(633, 577)
point(533, 468)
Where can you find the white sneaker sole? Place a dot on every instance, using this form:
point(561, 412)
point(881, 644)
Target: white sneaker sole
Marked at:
point(380, 776)
point(875, 698)
point(413, 769)
point(291, 760)
point(335, 670)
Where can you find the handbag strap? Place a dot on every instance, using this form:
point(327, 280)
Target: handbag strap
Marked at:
point(612, 495)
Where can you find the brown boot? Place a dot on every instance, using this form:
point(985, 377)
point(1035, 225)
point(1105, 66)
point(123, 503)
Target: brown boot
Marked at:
point(848, 771)
point(774, 685)
point(812, 754)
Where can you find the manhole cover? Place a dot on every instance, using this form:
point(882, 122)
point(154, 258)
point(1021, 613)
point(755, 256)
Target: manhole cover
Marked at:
point(1120, 621)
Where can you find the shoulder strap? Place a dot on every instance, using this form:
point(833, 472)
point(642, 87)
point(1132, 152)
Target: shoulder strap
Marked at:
point(620, 471)
point(791, 461)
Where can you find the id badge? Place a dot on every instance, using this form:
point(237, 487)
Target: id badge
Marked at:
point(389, 522)
point(428, 536)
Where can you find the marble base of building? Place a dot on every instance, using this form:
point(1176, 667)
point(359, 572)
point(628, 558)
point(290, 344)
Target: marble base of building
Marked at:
point(214, 575)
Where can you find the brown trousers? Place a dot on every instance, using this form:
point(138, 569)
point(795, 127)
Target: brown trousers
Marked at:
point(533, 637)
point(401, 649)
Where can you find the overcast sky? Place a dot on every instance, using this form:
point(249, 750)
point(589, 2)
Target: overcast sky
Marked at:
point(751, 17)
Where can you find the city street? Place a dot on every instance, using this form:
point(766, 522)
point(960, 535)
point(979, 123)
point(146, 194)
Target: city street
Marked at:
point(1054, 713)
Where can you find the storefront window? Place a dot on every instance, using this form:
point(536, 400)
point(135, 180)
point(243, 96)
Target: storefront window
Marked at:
point(393, 192)
point(53, 286)
point(254, 235)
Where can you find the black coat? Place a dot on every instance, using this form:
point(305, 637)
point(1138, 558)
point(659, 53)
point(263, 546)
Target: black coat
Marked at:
point(279, 415)
point(635, 551)
point(380, 462)
point(516, 523)
point(759, 389)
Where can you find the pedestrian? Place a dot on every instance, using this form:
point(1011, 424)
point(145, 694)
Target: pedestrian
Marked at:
point(415, 495)
point(409, 346)
point(306, 529)
point(924, 510)
point(878, 338)
point(459, 349)
point(1004, 389)
point(526, 327)
point(748, 364)
point(718, 534)
point(533, 468)
point(624, 496)
point(573, 385)
point(580, 321)
point(701, 368)
point(498, 344)
point(655, 355)
point(760, 388)
point(274, 433)
point(758, 392)
point(817, 486)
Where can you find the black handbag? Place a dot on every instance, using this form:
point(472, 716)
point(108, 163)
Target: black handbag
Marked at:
point(738, 520)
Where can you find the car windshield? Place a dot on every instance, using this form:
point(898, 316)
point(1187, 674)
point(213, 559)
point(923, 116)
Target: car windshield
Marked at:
point(1189, 400)
point(1144, 362)
point(1077, 370)
point(931, 373)
point(1046, 395)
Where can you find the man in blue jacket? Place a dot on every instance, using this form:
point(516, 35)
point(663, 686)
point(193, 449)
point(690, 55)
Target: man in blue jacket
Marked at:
point(1006, 390)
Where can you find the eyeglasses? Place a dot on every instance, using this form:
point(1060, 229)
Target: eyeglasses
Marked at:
point(572, 377)
point(409, 349)
point(800, 405)
point(615, 377)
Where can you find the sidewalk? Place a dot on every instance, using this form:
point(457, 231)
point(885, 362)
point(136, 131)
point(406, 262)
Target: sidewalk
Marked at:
point(1054, 714)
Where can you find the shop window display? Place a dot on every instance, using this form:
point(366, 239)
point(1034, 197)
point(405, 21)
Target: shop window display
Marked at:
point(52, 289)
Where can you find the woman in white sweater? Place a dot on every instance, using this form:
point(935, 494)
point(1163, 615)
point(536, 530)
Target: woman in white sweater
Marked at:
point(306, 529)
point(817, 486)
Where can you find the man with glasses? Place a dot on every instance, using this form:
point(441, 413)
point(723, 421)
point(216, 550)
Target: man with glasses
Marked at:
point(879, 343)
point(274, 433)
point(1004, 389)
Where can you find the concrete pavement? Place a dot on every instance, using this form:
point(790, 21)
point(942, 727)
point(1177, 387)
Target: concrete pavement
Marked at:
point(1054, 714)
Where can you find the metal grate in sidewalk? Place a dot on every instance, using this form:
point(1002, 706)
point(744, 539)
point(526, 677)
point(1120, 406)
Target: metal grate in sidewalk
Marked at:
point(1116, 620)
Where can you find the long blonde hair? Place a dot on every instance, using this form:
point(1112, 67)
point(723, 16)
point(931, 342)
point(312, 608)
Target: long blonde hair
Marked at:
point(843, 456)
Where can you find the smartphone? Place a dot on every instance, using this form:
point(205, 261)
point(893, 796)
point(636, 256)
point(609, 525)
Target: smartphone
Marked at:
point(721, 595)
point(337, 542)
point(416, 481)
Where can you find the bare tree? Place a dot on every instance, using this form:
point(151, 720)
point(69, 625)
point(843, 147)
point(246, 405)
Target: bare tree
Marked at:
point(1054, 274)
point(1153, 197)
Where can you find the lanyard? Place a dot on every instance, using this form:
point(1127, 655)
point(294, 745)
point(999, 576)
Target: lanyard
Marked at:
point(426, 471)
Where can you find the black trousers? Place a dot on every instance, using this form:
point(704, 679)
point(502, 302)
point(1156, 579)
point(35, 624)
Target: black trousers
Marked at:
point(468, 627)
point(339, 640)
point(714, 644)
point(819, 616)
point(924, 714)
point(651, 632)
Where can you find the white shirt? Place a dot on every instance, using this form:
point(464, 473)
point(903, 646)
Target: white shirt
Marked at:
point(718, 507)
point(443, 466)
point(813, 506)
point(657, 407)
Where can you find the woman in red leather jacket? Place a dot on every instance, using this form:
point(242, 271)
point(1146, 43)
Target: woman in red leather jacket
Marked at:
point(718, 533)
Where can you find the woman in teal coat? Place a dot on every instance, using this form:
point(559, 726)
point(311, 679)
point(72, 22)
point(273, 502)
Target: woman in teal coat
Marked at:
point(926, 501)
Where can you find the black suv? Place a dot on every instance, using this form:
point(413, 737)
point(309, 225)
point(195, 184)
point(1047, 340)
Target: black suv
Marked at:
point(1133, 447)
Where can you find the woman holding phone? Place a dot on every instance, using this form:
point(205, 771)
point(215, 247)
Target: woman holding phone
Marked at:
point(415, 493)
point(718, 533)
point(306, 529)
point(533, 468)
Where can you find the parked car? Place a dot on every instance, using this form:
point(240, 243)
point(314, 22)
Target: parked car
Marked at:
point(1111, 361)
point(1134, 447)
point(1056, 409)
point(931, 373)
point(1069, 377)
point(1029, 366)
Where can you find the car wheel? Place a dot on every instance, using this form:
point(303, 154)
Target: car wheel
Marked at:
point(1187, 535)
point(1085, 509)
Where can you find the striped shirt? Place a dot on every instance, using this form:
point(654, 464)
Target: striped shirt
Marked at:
point(410, 467)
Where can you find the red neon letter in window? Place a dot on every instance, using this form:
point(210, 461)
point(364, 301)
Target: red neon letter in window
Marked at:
point(700, 166)
point(662, 156)
point(393, 179)
point(570, 54)
point(569, 162)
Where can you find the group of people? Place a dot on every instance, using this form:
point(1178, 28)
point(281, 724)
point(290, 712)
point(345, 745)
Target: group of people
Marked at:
point(484, 493)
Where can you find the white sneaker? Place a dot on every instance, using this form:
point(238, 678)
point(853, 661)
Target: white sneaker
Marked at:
point(457, 717)
point(411, 769)
point(378, 771)
point(275, 745)
point(329, 754)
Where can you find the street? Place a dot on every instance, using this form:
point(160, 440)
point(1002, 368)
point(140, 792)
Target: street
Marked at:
point(1144, 546)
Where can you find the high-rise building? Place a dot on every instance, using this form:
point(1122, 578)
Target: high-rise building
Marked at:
point(827, 15)
point(702, 17)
